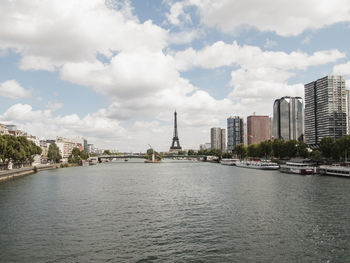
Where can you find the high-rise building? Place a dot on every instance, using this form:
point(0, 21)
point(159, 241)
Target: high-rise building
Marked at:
point(218, 139)
point(325, 109)
point(288, 118)
point(235, 132)
point(258, 128)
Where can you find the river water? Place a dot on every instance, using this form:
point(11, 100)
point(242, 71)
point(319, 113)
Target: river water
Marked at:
point(174, 212)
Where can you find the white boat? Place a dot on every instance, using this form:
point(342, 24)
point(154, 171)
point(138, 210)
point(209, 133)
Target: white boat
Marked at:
point(297, 168)
point(336, 170)
point(261, 165)
point(229, 161)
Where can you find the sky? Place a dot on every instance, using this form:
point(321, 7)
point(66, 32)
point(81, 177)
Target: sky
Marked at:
point(114, 71)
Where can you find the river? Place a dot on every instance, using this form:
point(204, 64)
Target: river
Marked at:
point(174, 212)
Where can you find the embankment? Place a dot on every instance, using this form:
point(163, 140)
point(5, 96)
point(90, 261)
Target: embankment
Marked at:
point(15, 173)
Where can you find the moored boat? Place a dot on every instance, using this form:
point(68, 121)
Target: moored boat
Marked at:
point(261, 165)
point(297, 168)
point(335, 170)
point(229, 161)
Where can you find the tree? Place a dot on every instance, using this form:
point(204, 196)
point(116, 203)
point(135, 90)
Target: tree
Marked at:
point(302, 149)
point(107, 152)
point(343, 145)
point(291, 148)
point(265, 149)
point(215, 152)
point(53, 154)
point(253, 150)
point(326, 147)
point(83, 155)
point(241, 151)
point(279, 148)
point(17, 149)
point(191, 152)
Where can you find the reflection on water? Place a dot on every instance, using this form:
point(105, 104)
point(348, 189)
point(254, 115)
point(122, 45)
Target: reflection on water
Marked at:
point(181, 212)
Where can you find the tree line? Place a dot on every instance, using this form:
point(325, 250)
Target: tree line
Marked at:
point(328, 149)
point(18, 150)
point(334, 150)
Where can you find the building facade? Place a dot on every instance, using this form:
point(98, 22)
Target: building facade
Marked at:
point(258, 128)
point(235, 132)
point(325, 109)
point(288, 119)
point(218, 139)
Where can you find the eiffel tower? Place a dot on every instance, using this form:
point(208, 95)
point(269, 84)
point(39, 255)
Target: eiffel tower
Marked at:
point(176, 141)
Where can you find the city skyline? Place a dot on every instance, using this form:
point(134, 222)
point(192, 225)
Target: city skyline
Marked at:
point(114, 71)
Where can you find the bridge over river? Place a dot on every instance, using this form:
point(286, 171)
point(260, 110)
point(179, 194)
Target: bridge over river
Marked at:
point(102, 158)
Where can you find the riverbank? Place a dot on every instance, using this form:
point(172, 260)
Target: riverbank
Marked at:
point(15, 173)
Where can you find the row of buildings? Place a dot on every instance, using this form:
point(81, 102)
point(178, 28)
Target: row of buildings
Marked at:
point(326, 113)
point(64, 145)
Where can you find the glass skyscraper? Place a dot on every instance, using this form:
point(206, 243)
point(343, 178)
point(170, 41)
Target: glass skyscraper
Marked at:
point(235, 132)
point(288, 118)
point(325, 109)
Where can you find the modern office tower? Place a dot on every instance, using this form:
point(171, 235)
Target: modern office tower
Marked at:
point(288, 118)
point(258, 128)
point(223, 140)
point(218, 139)
point(325, 109)
point(235, 132)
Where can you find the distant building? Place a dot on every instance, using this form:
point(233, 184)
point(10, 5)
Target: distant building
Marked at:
point(288, 118)
point(3, 129)
point(235, 132)
point(65, 147)
point(90, 148)
point(325, 109)
point(11, 127)
point(205, 146)
point(218, 139)
point(258, 128)
point(85, 145)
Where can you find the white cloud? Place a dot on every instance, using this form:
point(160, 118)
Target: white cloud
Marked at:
point(50, 33)
point(96, 126)
point(221, 54)
point(183, 37)
point(342, 69)
point(270, 43)
point(256, 89)
point(54, 105)
point(13, 90)
point(284, 17)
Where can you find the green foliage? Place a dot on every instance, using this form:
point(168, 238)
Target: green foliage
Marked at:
point(302, 149)
point(241, 151)
point(291, 148)
point(326, 147)
point(53, 154)
point(191, 152)
point(84, 155)
point(17, 149)
point(265, 149)
point(77, 155)
point(107, 152)
point(279, 148)
point(253, 150)
point(342, 148)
